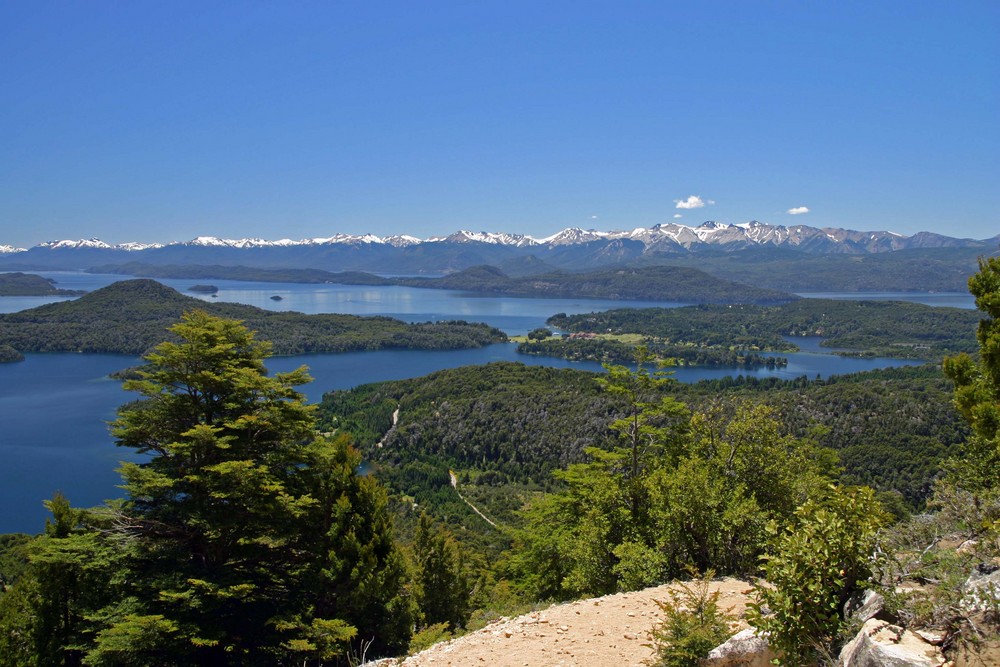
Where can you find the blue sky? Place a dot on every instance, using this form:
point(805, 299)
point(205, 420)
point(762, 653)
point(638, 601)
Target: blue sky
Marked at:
point(161, 121)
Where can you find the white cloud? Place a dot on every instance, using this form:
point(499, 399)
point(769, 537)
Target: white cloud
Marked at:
point(694, 201)
point(678, 215)
point(798, 210)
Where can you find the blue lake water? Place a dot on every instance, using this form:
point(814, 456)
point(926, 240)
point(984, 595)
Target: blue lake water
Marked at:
point(55, 407)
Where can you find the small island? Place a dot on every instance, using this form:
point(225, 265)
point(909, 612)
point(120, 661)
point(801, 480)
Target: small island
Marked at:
point(9, 355)
point(275, 298)
point(28, 284)
point(203, 289)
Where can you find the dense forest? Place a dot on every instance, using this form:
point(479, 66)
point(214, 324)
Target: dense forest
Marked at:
point(27, 284)
point(656, 283)
point(873, 328)
point(131, 316)
point(507, 422)
point(606, 349)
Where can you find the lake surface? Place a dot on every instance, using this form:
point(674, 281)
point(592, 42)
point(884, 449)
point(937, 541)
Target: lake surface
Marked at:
point(55, 407)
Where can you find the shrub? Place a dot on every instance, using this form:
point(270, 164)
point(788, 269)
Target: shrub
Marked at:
point(692, 624)
point(813, 568)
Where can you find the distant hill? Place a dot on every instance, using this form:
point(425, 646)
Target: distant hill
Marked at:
point(653, 283)
point(944, 269)
point(26, 284)
point(131, 316)
point(658, 283)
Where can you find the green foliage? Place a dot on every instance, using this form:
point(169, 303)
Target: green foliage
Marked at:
point(813, 567)
point(442, 585)
point(9, 354)
point(428, 636)
point(249, 538)
point(27, 284)
point(45, 616)
point(244, 539)
point(668, 492)
point(540, 333)
point(692, 624)
point(506, 427)
point(977, 384)
point(131, 316)
point(614, 351)
point(13, 557)
point(917, 331)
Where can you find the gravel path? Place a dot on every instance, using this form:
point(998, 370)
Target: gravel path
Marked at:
point(600, 632)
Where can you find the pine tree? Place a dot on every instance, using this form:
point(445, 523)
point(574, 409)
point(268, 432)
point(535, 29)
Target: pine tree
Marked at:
point(237, 510)
point(977, 385)
point(443, 587)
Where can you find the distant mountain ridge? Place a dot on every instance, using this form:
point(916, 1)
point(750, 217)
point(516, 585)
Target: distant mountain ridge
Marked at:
point(659, 237)
point(572, 248)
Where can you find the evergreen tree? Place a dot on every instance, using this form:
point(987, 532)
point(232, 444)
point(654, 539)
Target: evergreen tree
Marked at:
point(442, 585)
point(246, 538)
point(977, 385)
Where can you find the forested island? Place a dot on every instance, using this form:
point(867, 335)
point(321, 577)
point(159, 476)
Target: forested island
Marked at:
point(869, 328)
point(28, 284)
point(653, 283)
point(610, 348)
point(131, 316)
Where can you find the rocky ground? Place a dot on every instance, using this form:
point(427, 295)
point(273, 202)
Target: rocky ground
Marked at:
point(610, 631)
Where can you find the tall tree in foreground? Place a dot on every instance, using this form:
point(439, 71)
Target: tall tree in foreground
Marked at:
point(977, 385)
point(442, 586)
point(223, 522)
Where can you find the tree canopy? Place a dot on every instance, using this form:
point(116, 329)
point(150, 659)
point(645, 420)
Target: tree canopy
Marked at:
point(244, 538)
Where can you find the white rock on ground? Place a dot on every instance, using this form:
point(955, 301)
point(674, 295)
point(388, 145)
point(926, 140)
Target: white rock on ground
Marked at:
point(744, 649)
point(880, 644)
point(981, 589)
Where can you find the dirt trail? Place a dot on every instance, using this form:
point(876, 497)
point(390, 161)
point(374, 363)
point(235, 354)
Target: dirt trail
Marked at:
point(600, 632)
point(454, 484)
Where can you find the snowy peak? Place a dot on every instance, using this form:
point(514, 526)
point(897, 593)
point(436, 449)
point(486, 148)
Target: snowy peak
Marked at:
point(574, 235)
point(135, 247)
point(401, 240)
point(464, 236)
point(67, 244)
point(9, 249)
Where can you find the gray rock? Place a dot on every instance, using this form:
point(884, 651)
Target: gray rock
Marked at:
point(864, 606)
point(744, 649)
point(982, 588)
point(880, 644)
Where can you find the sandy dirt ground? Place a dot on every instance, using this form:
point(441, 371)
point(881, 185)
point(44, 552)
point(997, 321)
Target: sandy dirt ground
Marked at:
point(608, 632)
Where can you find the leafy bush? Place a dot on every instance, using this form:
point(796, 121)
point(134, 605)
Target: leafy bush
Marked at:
point(429, 636)
point(813, 568)
point(692, 624)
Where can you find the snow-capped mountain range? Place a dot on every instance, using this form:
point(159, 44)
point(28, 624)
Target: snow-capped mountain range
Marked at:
point(573, 249)
point(659, 237)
